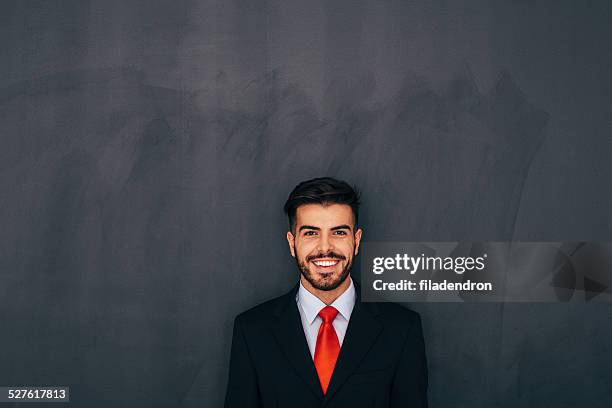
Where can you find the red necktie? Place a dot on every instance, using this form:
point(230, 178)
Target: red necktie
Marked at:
point(328, 347)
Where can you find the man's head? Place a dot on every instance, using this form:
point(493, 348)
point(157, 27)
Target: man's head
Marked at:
point(323, 236)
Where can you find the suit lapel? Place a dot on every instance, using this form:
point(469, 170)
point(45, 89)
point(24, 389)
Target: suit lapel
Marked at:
point(362, 331)
point(292, 340)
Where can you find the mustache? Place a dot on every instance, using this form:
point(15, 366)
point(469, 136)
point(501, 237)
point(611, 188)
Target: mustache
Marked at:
point(330, 254)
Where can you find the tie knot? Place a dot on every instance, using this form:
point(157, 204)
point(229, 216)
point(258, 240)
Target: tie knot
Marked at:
point(328, 314)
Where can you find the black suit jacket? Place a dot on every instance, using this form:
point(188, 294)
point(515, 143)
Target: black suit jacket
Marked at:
point(381, 363)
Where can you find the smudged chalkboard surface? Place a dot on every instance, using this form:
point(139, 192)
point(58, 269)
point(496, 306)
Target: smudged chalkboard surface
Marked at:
point(147, 149)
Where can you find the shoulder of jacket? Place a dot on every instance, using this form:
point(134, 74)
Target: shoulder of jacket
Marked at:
point(263, 310)
point(394, 314)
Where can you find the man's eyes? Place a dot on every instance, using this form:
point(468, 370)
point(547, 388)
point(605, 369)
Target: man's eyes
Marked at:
point(313, 233)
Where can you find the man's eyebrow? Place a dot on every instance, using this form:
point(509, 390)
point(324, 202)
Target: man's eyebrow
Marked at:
point(310, 227)
point(339, 227)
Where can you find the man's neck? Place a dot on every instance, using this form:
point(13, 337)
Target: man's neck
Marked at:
point(327, 296)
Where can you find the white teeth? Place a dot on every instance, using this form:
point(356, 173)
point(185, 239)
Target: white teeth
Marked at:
point(325, 263)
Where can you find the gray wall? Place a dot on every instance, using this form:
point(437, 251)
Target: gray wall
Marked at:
point(147, 149)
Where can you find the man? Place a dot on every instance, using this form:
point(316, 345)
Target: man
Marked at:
point(319, 345)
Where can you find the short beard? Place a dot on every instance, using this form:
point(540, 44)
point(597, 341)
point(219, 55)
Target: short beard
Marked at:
point(325, 285)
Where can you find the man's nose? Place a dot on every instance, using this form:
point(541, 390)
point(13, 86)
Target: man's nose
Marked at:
point(325, 244)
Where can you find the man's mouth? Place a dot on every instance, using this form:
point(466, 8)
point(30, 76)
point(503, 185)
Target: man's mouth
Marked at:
point(326, 263)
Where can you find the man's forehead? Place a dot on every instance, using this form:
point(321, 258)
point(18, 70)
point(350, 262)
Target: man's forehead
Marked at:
point(324, 214)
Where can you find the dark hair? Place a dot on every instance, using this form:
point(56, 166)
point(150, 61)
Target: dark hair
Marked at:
point(322, 190)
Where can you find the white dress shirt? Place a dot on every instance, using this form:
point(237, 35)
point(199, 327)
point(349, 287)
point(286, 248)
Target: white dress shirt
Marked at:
point(309, 306)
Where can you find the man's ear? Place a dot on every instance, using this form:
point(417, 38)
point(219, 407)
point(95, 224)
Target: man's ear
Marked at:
point(357, 240)
point(291, 241)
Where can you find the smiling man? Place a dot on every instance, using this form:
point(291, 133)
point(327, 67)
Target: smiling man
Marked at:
point(319, 345)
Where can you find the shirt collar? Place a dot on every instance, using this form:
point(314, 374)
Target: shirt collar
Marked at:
point(312, 305)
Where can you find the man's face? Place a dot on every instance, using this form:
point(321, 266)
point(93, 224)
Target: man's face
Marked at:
point(324, 243)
